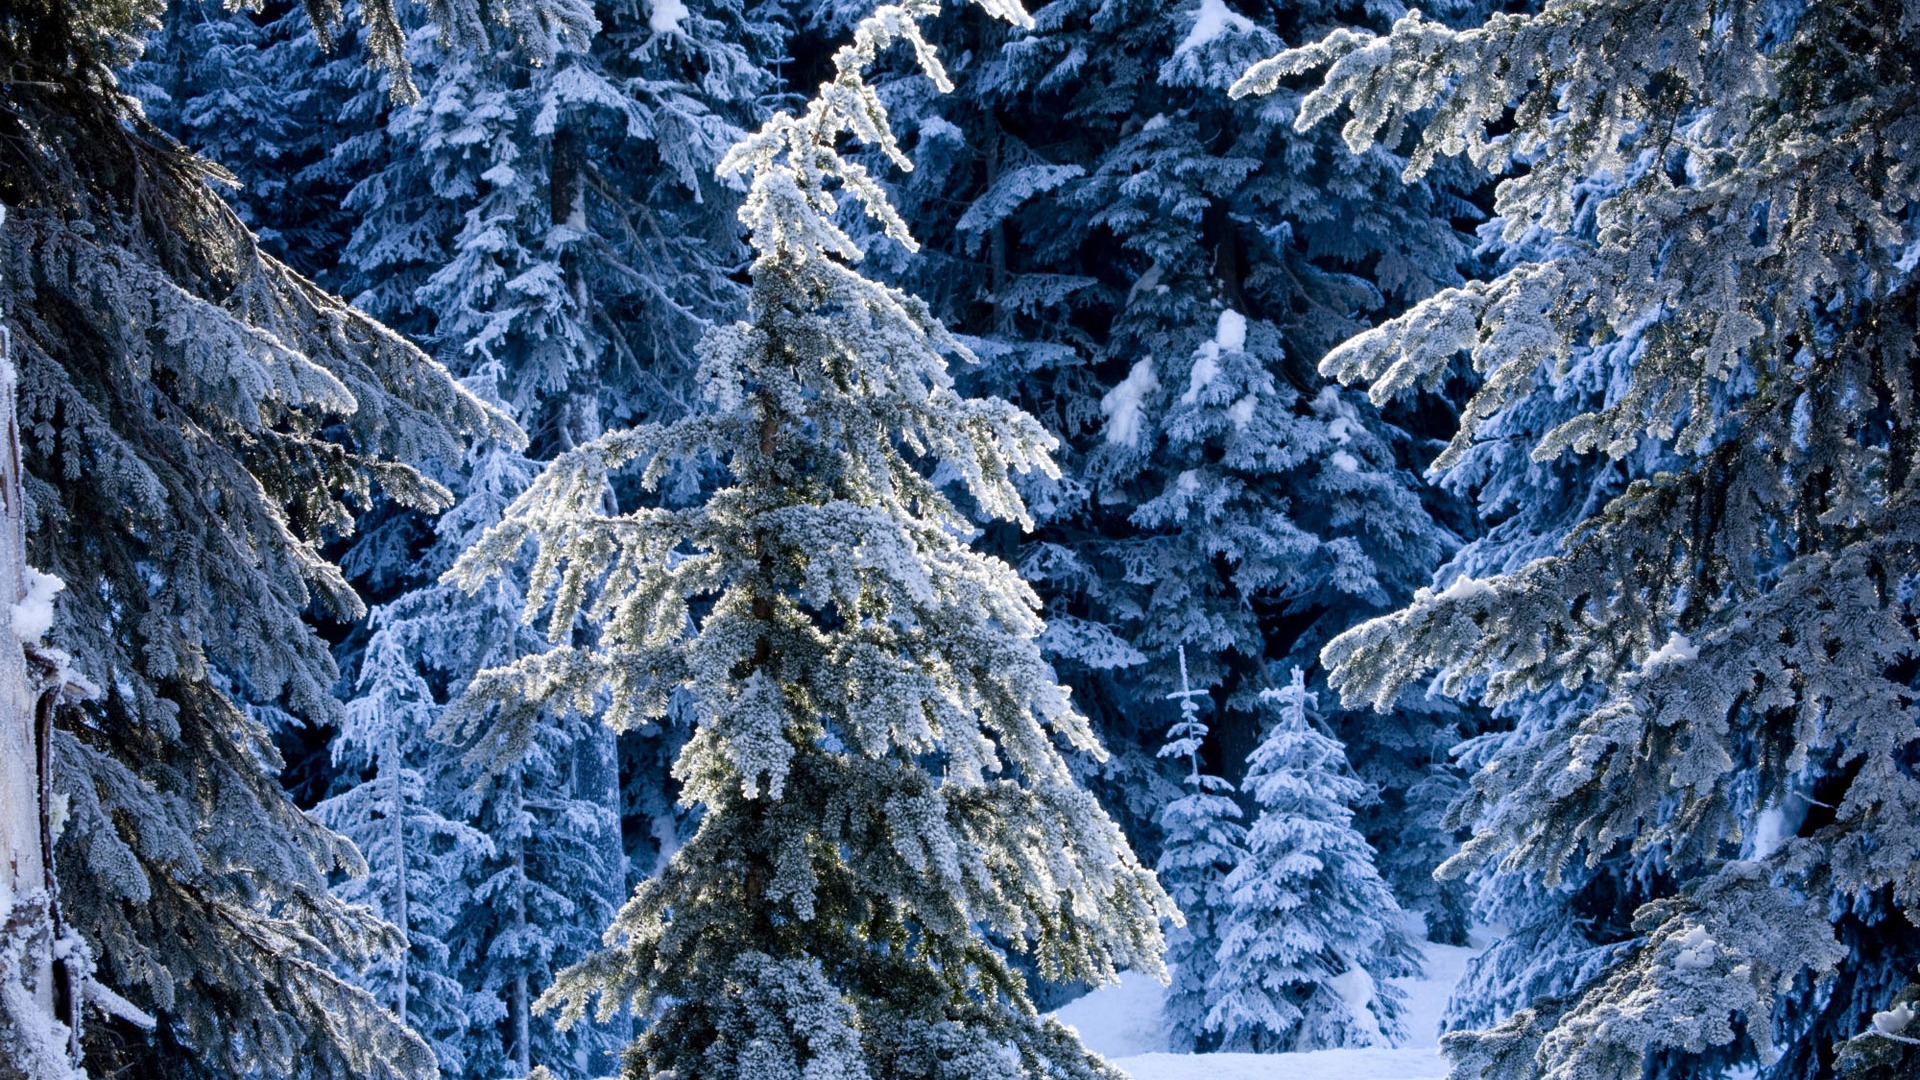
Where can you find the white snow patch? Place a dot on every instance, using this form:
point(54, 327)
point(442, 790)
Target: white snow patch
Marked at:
point(1120, 1019)
point(1697, 950)
point(1205, 366)
point(1355, 987)
point(1241, 412)
point(1769, 832)
point(1213, 19)
point(1155, 123)
point(1123, 1024)
point(1229, 335)
point(1465, 587)
point(664, 16)
point(1341, 430)
point(1676, 648)
point(1124, 405)
point(33, 615)
point(1364, 1063)
point(1345, 462)
point(1894, 1020)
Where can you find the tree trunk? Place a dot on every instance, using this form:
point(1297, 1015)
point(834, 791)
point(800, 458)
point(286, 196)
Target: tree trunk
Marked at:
point(397, 821)
point(34, 1042)
point(518, 1006)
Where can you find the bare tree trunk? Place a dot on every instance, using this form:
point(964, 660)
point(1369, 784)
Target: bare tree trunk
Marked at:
point(519, 1007)
point(397, 821)
point(34, 1041)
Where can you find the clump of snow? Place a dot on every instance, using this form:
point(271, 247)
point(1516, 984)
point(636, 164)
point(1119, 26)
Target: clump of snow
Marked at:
point(1241, 412)
point(664, 16)
point(1676, 648)
point(1206, 364)
point(1465, 587)
point(33, 615)
point(1341, 430)
point(1345, 462)
point(1155, 123)
point(1770, 831)
point(1697, 950)
point(1355, 987)
point(1229, 335)
point(1212, 20)
point(1124, 406)
point(1894, 1020)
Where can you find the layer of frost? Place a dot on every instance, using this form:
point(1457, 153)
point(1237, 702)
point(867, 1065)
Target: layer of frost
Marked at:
point(33, 615)
point(1212, 20)
point(1124, 406)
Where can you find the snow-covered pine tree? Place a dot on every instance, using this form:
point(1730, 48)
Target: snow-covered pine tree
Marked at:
point(421, 863)
point(1743, 620)
point(1203, 842)
point(1311, 933)
point(883, 810)
point(196, 422)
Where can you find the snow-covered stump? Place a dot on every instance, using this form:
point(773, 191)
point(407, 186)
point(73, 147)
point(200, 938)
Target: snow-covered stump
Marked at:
point(33, 1041)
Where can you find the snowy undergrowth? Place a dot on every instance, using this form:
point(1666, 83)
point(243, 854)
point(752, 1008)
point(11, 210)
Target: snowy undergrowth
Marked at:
point(1123, 1023)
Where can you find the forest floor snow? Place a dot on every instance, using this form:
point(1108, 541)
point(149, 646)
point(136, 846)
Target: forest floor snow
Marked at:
point(1122, 1023)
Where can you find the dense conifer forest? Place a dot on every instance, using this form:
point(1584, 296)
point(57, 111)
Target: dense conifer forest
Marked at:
point(766, 540)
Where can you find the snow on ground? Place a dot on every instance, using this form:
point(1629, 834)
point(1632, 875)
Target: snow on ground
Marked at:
point(1123, 1023)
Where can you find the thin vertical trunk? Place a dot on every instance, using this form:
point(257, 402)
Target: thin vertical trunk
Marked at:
point(397, 821)
point(606, 745)
point(997, 241)
point(519, 1008)
point(34, 1042)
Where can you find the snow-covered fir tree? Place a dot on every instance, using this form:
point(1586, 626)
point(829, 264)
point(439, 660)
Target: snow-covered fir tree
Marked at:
point(1203, 842)
point(197, 422)
point(1741, 621)
point(883, 810)
point(1311, 933)
point(1556, 937)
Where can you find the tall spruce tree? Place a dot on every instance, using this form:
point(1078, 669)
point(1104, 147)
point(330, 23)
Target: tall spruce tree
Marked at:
point(1742, 621)
point(884, 814)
